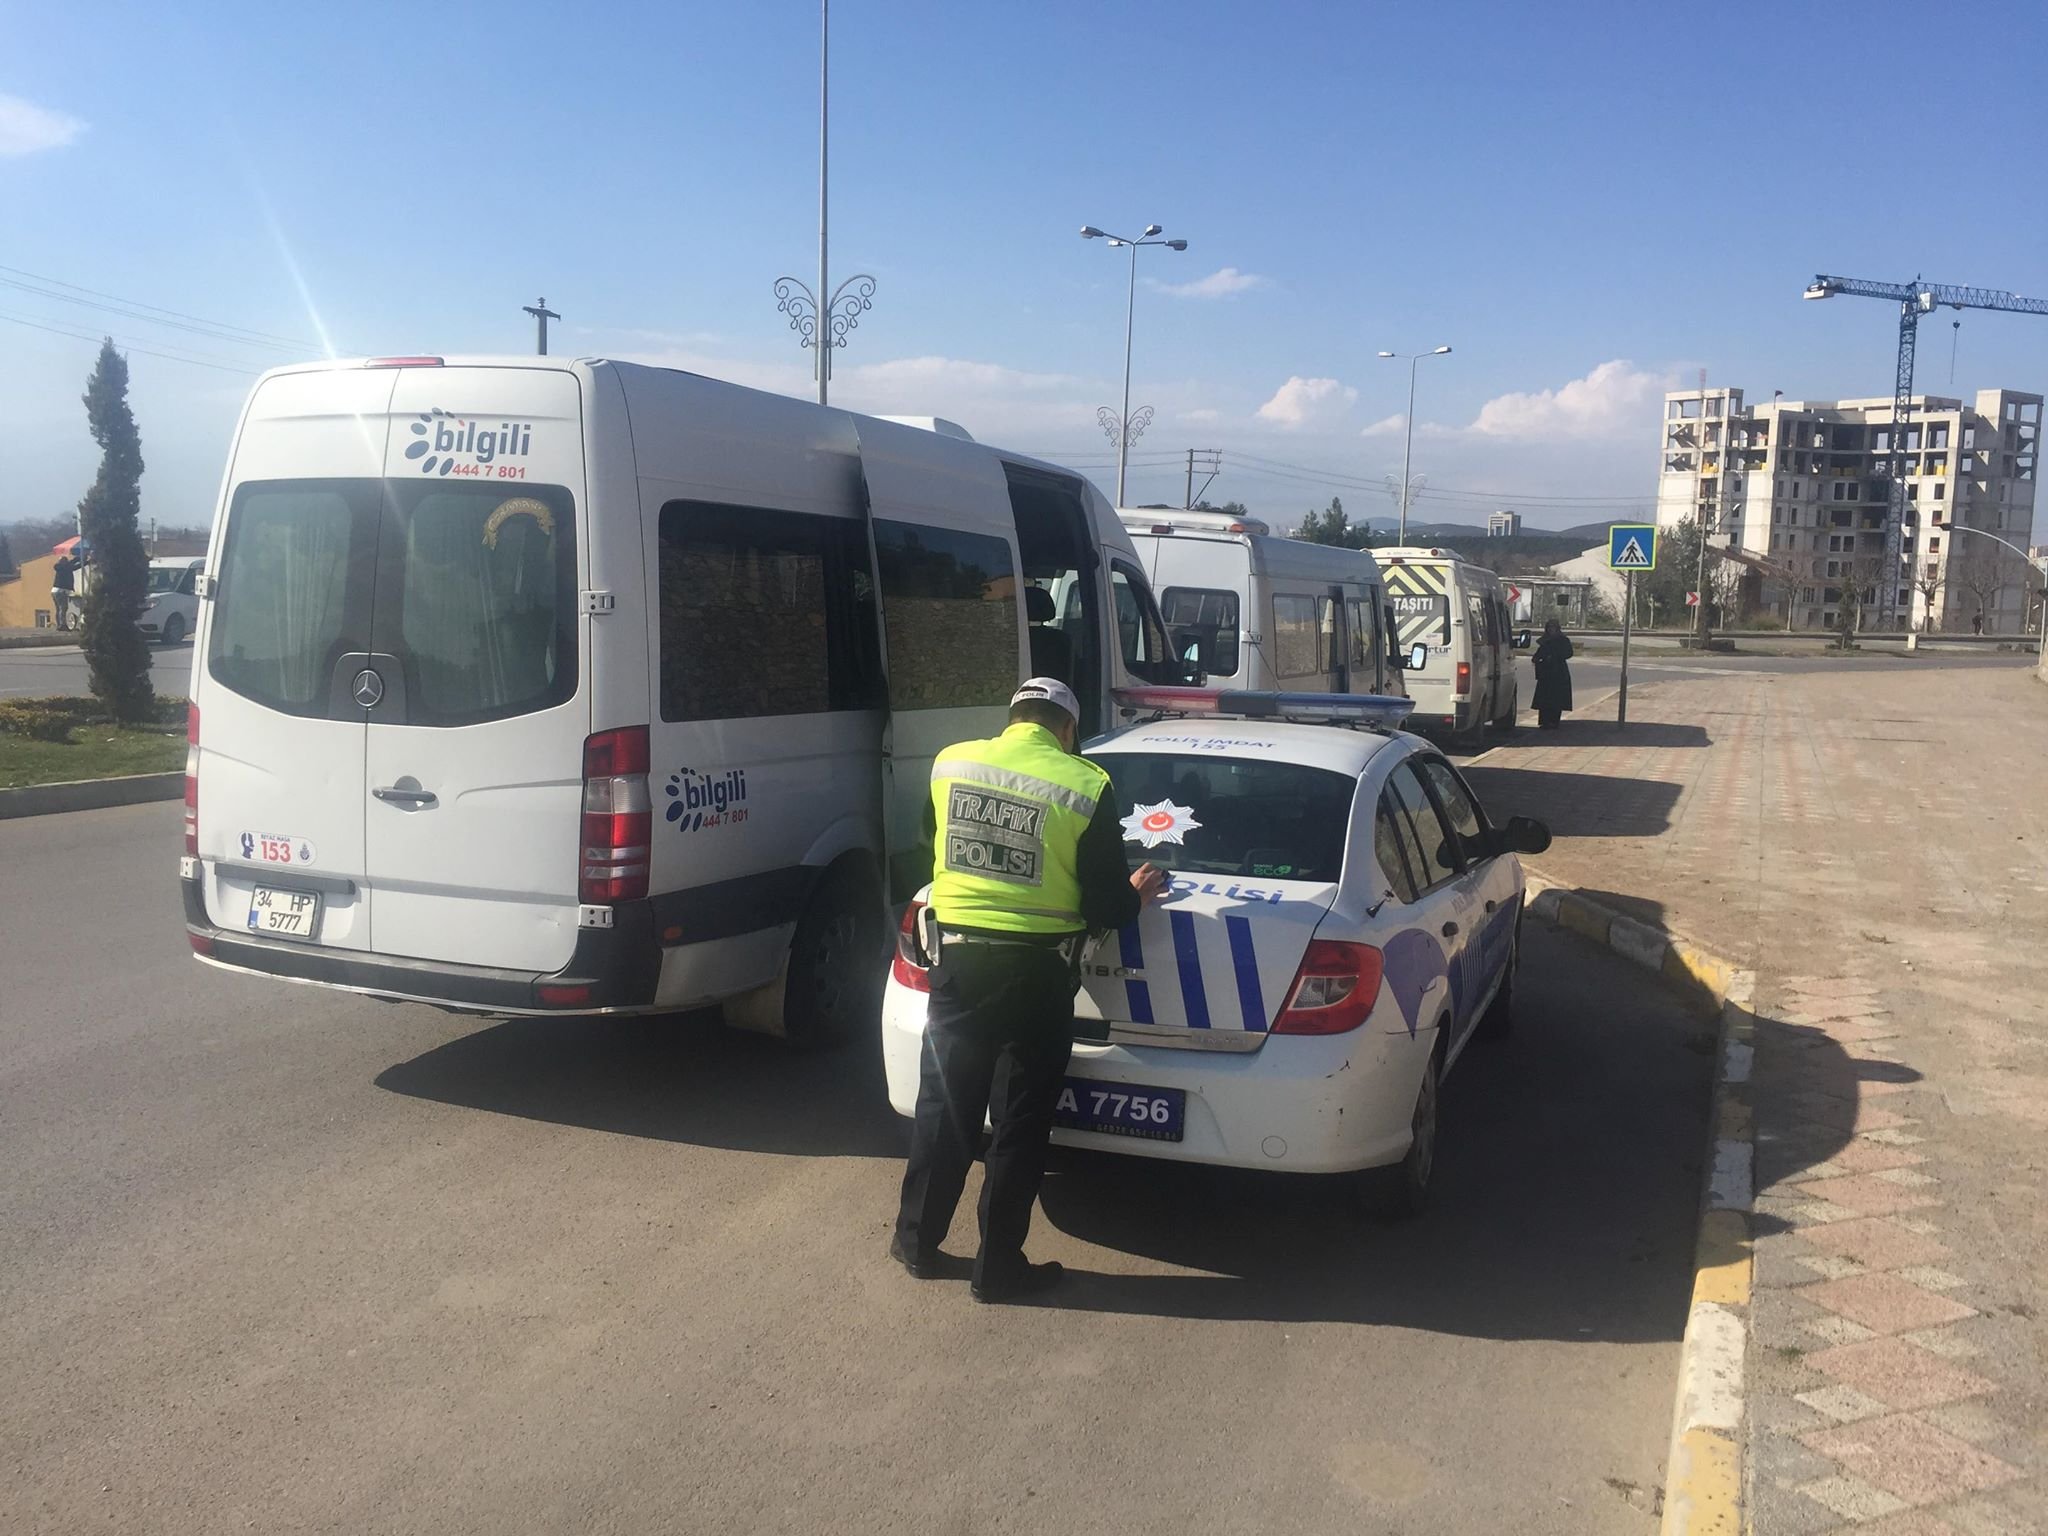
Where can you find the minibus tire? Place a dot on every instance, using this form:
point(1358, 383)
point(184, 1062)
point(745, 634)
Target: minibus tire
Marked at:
point(833, 988)
point(1506, 720)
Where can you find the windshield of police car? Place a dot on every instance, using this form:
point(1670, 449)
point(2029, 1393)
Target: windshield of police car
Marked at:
point(1231, 816)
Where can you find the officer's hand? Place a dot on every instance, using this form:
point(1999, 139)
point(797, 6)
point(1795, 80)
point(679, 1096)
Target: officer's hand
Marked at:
point(1149, 882)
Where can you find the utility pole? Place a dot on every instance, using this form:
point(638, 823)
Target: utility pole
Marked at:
point(1210, 459)
point(541, 316)
point(824, 213)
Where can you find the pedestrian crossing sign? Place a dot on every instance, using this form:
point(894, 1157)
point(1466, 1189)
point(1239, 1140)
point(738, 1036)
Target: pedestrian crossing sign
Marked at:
point(1632, 547)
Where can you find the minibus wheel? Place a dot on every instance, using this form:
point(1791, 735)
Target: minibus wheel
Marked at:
point(833, 992)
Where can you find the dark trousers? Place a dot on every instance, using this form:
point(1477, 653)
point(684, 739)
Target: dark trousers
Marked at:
point(999, 1030)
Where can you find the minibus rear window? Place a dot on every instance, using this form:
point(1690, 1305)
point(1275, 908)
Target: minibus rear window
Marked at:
point(294, 590)
point(471, 589)
point(476, 593)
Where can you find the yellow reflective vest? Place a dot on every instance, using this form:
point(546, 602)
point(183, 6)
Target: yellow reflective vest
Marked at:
point(1009, 815)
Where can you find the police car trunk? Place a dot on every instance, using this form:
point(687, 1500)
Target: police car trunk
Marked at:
point(1252, 836)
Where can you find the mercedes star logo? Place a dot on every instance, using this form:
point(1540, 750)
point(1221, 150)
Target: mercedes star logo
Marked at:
point(369, 688)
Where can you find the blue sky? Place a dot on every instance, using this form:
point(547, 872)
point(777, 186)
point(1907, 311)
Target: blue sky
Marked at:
point(1502, 178)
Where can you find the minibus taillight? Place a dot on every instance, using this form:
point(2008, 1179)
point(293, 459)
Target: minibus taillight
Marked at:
point(618, 817)
point(192, 779)
point(1464, 677)
point(1334, 989)
point(908, 966)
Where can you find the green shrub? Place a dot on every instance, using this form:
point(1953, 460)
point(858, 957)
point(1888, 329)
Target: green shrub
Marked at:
point(33, 719)
point(53, 719)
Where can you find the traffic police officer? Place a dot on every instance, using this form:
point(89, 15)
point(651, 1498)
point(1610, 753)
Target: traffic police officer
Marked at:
point(1028, 855)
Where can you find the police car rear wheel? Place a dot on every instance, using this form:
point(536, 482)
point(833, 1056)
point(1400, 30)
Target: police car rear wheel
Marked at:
point(1403, 1189)
point(1498, 1022)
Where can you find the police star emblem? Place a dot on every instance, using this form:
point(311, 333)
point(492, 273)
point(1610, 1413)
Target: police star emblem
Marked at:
point(1161, 823)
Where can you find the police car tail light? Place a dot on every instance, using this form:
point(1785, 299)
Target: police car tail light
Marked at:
point(908, 968)
point(618, 816)
point(1334, 989)
point(192, 779)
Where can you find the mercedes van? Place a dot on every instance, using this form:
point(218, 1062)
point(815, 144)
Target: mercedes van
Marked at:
point(530, 685)
point(1266, 612)
point(1459, 612)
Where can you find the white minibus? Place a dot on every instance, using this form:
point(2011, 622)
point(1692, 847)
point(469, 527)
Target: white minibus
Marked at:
point(1459, 611)
point(1266, 612)
point(531, 685)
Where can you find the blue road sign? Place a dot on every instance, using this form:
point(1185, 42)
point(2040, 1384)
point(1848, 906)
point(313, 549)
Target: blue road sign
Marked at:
point(1632, 547)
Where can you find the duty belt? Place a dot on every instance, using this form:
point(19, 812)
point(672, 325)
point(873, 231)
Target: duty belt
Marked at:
point(1066, 946)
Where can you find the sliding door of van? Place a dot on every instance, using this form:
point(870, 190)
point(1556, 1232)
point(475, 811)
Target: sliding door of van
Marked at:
point(953, 615)
point(475, 747)
point(281, 733)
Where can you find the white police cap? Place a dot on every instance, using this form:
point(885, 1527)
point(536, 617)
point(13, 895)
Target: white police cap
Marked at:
point(1053, 691)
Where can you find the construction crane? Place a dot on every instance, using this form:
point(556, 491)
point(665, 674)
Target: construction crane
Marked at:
point(1914, 299)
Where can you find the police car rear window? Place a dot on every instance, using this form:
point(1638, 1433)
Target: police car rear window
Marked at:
point(1232, 816)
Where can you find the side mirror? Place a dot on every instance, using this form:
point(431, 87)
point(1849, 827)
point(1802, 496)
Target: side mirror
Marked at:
point(1417, 657)
point(1525, 834)
point(1522, 639)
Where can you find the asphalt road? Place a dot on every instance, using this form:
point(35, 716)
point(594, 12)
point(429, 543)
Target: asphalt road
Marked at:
point(36, 671)
point(284, 1259)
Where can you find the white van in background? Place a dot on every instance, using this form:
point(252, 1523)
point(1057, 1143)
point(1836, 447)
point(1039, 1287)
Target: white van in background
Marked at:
point(1268, 612)
point(546, 686)
point(1460, 612)
point(170, 614)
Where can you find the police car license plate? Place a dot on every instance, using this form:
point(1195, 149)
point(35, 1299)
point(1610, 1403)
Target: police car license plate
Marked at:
point(1121, 1109)
point(282, 914)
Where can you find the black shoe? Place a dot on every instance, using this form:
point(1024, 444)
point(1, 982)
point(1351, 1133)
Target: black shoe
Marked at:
point(1028, 1281)
point(926, 1268)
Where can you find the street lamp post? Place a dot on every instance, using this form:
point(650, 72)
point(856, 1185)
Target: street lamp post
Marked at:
point(1124, 434)
point(822, 319)
point(1408, 445)
point(2041, 648)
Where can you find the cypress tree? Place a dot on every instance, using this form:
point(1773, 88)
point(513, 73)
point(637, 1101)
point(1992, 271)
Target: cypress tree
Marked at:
point(109, 514)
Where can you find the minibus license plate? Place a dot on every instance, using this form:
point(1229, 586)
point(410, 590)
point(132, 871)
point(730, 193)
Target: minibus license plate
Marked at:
point(282, 914)
point(1121, 1109)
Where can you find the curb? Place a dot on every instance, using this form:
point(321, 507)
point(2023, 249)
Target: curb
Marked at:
point(91, 794)
point(36, 642)
point(1703, 1470)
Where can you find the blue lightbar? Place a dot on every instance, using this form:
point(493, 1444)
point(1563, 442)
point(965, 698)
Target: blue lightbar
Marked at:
point(1375, 709)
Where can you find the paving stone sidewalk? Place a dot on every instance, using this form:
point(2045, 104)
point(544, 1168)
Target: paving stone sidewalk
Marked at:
point(1873, 845)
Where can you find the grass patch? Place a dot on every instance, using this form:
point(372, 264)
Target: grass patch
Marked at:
point(60, 741)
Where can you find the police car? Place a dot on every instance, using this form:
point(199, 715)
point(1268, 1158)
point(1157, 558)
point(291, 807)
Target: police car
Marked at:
point(1342, 921)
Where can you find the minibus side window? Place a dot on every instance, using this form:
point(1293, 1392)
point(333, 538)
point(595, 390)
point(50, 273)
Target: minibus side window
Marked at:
point(1297, 638)
point(949, 612)
point(1211, 611)
point(763, 613)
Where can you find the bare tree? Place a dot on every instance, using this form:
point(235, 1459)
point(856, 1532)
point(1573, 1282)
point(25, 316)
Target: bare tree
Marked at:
point(1928, 580)
point(1983, 573)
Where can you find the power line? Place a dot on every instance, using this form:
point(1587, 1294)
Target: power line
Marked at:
point(246, 333)
point(129, 346)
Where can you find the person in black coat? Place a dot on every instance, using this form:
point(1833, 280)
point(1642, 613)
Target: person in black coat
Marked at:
point(1553, 675)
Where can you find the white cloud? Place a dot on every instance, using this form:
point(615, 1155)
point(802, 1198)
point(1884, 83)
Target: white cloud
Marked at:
point(27, 129)
point(1614, 400)
point(1302, 403)
point(1387, 426)
point(1220, 284)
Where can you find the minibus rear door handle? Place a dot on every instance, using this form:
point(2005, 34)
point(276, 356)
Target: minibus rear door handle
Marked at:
point(417, 798)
